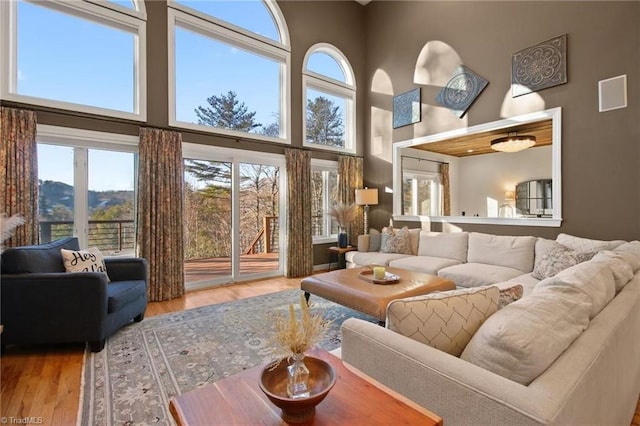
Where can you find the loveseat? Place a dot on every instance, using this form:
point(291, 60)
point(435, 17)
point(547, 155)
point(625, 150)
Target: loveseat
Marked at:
point(566, 353)
point(42, 303)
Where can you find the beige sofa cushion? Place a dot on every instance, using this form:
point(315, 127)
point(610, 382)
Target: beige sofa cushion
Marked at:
point(591, 282)
point(586, 244)
point(427, 264)
point(445, 320)
point(524, 338)
point(631, 253)
point(478, 274)
point(622, 270)
point(502, 250)
point(452, 245)
point(372, 257)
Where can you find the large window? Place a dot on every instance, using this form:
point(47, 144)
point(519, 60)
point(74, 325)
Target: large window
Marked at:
point(75, 55)
point(229, 74)
point(87, 188)
point(329, 99)
point(324, 187)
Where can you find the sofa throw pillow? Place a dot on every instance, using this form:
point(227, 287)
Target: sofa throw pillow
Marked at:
point(557, 258)
point(444, 320)
point(520, 341)
point(363, 243)
point(374, 241)
point(90, 260)
point(393, 241)
point(510, 295)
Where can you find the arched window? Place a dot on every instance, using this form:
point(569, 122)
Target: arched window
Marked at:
point(229, 68)
point(329, 93)
point(76, 55)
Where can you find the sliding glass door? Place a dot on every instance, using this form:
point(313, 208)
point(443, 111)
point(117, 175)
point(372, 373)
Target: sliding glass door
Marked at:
point(259, 218)
point(207, 220)
point(232, 219)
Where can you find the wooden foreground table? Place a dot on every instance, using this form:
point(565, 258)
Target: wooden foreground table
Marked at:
point(355, 399)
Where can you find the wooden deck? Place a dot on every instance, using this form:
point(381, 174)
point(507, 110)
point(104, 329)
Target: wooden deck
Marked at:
point(218, 267)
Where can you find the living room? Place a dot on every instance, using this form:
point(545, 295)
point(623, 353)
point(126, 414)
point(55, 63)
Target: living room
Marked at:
point(382, 42)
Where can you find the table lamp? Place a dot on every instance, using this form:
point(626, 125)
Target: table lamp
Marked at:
point(366, 197)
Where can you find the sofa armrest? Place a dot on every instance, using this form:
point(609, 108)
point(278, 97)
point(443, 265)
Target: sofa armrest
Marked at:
point(126, 268)
point(457, 391)
point(40, 307)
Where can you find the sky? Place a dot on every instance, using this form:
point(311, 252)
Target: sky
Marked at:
point(95, 69)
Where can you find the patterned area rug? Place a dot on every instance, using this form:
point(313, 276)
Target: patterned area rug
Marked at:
point(144, 364)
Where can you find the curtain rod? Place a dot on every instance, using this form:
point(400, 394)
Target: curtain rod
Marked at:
point(423, 159)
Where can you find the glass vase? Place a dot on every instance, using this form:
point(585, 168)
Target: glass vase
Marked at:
point(343, 239)
point(298, 377)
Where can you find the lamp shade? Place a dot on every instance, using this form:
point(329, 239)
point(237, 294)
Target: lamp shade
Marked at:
point(367, 197)
point(513, 143)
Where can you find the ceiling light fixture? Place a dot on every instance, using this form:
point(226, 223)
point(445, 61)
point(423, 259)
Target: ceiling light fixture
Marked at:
point(513, 143)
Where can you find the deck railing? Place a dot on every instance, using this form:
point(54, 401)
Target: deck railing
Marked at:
point(108, 235)
point(266, 241)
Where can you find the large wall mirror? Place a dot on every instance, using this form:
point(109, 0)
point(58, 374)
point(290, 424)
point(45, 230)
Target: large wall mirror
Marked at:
point(459, 177)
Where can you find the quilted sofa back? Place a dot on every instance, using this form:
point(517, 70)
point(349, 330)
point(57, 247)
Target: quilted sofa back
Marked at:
point(40, 258)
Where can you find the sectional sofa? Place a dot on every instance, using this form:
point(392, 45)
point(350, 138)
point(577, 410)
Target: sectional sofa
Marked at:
point(565, 353)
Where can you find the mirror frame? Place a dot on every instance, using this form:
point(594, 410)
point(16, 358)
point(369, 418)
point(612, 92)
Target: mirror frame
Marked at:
point(555, 114)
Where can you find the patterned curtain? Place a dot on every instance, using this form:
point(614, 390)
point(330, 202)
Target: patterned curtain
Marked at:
point(446, 189)
point(349, 179)
point(300, 243)
point(19, 173)
point(159, 212)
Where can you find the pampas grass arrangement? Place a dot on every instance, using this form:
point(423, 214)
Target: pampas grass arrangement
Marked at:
point(343, 214)
point(8, 225)
point(295, 336)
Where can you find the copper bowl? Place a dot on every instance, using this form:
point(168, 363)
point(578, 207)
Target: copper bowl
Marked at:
point(274, 385)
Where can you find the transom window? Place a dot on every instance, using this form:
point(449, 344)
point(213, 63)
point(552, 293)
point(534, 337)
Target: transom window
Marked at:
point(76, 55)
point(229, 68)
point(329, 97)
point(252, 15)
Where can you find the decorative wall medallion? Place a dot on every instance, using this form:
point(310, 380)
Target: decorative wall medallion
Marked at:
point(539, 67)
point(406, 108)
point(461, 91)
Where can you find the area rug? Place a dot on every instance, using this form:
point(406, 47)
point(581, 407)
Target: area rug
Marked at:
point(144, 364)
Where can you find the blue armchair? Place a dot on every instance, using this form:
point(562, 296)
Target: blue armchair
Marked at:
point(41, 303)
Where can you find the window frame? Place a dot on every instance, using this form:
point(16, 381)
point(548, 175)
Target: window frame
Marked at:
point(436, 184)
point(82, 141)
point(222, 31)
point(322, 83)
point(92, 11)
point(329, 166)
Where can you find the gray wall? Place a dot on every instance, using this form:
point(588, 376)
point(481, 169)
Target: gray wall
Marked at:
point(601, 151)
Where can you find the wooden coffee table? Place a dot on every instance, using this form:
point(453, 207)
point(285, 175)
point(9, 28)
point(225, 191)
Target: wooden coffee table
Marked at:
point(347, 288)
point(355, 399)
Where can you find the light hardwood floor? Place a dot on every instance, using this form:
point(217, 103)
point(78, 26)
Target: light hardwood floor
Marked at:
point(43, 382)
